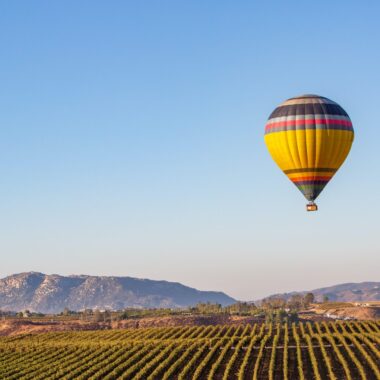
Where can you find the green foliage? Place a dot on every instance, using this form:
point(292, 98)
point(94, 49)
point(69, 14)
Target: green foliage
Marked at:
point(202, 308)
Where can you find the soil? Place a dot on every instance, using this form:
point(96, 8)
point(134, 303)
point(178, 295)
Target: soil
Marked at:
point(360, 313)
point(14, 327)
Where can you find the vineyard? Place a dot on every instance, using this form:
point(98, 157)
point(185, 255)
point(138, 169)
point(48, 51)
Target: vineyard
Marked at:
point(326, 350)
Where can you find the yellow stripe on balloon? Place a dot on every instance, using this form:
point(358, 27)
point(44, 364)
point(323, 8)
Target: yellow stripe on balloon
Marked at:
point(311, 148)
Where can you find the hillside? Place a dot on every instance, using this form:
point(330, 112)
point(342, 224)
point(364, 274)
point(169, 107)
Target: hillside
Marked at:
point(52, 293)
point(349, 292)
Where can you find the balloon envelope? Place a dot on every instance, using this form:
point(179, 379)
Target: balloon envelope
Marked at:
point(309, 137)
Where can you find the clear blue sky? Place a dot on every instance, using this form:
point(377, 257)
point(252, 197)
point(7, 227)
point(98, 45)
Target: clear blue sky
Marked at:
point(131, 141)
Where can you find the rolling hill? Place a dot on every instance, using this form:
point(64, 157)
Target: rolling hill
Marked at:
point(348, 292)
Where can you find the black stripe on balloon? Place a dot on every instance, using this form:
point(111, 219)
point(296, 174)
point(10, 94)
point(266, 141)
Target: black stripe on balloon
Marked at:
point(308, 109)
point(304, 170)
point(312, 182)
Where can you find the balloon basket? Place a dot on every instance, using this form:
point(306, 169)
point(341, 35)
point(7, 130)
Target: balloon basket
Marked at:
point(311, 207)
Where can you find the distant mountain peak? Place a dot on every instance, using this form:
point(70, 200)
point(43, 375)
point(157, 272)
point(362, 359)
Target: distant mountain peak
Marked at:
point(37, 291)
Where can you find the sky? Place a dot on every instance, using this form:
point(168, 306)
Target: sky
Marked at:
point(131, 141)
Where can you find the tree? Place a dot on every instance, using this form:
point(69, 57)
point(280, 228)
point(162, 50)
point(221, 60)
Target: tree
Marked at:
point(107, 316)
point(86, 314)
point(240, 308)
point(295, 302)
point(308, 299)
point(293, 317)
point(98, 316)
point(281, 316)
point(208, 308)
point(325, 298)
point(273, 303)
point(278, 302)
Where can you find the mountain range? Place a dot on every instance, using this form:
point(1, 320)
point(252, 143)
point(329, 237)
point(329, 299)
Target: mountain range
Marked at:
point(348, 292)
point(52, 293)
point(43, 293)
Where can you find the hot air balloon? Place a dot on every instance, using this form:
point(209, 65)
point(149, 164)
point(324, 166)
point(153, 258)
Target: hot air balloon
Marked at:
point(309, 137)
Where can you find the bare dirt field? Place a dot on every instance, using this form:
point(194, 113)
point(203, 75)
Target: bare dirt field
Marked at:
point(361, 313)
point(17, 326)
